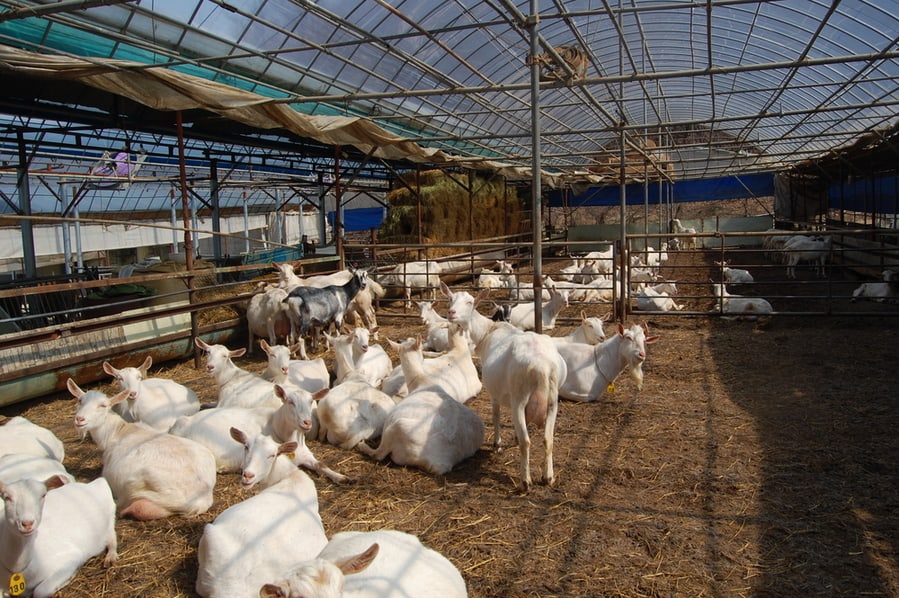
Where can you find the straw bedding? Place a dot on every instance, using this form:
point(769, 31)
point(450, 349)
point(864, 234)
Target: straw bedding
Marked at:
point(758, 460)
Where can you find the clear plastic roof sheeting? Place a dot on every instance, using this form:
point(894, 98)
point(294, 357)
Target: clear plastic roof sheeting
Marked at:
point(694, 89)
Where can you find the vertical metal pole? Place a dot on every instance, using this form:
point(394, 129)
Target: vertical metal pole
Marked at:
point(174, 220)
point(78, 249)
point(246, 223)
point(29, 263)
point(66, 237)
point(338, 220)
point(216, 213)
point(188, 235)
point(536, 191)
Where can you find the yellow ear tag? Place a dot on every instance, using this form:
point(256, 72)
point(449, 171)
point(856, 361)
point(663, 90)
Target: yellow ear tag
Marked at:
point(291, 456)
point(610, 388)
point(16, 584)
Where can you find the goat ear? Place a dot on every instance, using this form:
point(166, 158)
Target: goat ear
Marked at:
point(318, 396)
point(359, 562)
point(271, 590)
point(145, 366)
point(651, 339)
point(115, 400)
point(54, 482)
point(287, 447)
point(620, 328)
point(238, 435)
point(74, 388)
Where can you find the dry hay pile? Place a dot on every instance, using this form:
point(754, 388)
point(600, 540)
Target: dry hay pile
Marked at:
point(758, 460)
point(448, 212)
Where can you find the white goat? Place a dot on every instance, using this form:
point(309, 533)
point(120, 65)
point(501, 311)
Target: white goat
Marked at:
point(521, 370)
point(454, 371)
point(267, 315)
point(152, 474)
point(383, 563)
point(370, 360)
point(734, 275)
point(21, 435)
point(353, 411)
point(422, 275)
point(522, 314)
point(436, 331)
point(496, 279)
point(807, 249)
point(308, 374)
point(688, 238)
point(50, 529)
point(290, 421)
point(649, 299)
point(267, 535)
point(569, 271)
point(17, 466)
point(740, 307)
point(156, 402)
point(428, 429)
point(287, 277)
point(604, 261)
point(236, 387)
point(590, 331)
point(592, 369)
point(887, 290)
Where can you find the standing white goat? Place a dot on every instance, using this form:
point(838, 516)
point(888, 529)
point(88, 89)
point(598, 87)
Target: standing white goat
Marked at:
point(157, 402)
point(152, 474)
point(383, 563)
point(267, 535)
point(521, 370)
point(50, 529)
point(592, 369)
point(807, 249)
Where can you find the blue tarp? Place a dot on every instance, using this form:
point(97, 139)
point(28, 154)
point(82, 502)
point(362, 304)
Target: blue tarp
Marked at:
point(879, 194)
point(360, 218)
point(744, 186)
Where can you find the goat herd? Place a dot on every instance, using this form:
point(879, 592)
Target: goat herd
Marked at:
point(161, 449)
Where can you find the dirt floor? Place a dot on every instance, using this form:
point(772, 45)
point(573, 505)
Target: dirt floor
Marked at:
point(759, 459)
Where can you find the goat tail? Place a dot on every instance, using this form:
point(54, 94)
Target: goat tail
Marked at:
point(546, 391)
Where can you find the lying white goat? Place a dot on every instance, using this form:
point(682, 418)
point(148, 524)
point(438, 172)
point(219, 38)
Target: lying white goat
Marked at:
point(593, 368)
point(236, 387)
point(353, 410)
point(21, 435)
point(157, 402)
point(522, 314)
point(734, 275)
point(740, 307)
point(887, 290)
point(50, 529)
point(267, 535)
point(649, 299)
point(454, 371)
point(590, 331)
point(308, 374)
point(383, 563)
point(152, 474)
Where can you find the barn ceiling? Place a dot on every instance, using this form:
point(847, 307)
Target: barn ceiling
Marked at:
point(695, 89)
